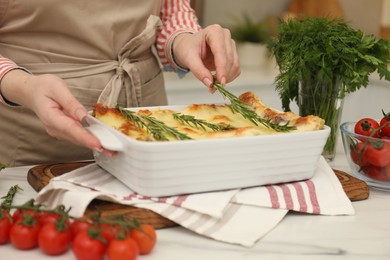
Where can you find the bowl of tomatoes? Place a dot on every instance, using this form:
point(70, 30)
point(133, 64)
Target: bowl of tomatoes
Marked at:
point(367, 148)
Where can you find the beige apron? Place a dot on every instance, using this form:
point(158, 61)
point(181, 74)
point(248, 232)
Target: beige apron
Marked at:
point(102, 49)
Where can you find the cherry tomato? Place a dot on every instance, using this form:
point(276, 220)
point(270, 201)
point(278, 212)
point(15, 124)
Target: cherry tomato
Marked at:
point(145, 237)
point(120, 249)
point(24, 236)
point(5, 226)
point(385, 121)
point(378, 155)
point(386, 171)
point(366, 126)
point(108, 232)
point(80, 225)
point(17, 215)
point(48, 217)
point(358, 154)
point(375, 173)
point(53, 241)
point(88, 247)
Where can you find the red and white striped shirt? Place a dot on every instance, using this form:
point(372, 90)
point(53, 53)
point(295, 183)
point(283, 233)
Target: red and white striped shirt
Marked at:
point(177, 17)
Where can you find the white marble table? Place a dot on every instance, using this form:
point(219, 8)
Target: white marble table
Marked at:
point(363, 236)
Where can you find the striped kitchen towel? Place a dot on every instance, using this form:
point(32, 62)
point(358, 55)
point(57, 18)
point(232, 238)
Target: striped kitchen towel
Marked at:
point(233, 216)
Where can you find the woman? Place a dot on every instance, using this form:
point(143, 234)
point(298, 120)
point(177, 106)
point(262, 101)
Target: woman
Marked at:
point(61, 57)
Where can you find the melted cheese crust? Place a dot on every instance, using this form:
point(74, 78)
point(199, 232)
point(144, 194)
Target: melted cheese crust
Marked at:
point(211, 113)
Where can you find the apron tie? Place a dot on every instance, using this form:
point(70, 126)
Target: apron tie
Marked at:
point(119, 71)
point(127, 75)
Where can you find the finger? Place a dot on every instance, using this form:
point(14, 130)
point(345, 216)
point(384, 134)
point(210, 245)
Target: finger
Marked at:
point(68, 103)
point(214, 34)
point(234, 69)
point(229, 50)
point(66, 128)
point(78, 135)
point(232, 61)
point(61, 118)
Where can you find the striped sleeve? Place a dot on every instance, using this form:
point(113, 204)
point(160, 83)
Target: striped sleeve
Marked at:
point(177, 17)
point(6, 65)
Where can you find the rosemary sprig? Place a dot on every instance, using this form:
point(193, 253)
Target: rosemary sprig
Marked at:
point(2, 166)
point(157, 125)
point(243, 109)
point(8, 199)
point(200, 123)
point(153, 126)
point(130, 115)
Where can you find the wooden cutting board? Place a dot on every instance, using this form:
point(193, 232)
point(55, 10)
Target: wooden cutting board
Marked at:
point(39, 176)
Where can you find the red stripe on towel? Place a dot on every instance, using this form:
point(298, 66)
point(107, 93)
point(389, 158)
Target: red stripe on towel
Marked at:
point(273, 196)
point(130, 196)
point(313, 197)
point(287, 196)
point(162, 199)
point(179, 200)
point(301, 197)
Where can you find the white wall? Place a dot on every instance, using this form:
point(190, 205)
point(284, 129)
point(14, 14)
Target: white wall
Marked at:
point(364, 14)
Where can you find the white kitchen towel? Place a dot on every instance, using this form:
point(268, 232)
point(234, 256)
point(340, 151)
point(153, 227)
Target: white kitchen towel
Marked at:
point(322, 194)
point(93, 181)
point(233, 216)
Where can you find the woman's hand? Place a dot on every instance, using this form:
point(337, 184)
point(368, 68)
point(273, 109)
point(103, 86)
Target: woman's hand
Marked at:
point(49, 97)
point(211, 49)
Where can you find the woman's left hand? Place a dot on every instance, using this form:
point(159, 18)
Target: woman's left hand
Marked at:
point(211, 49)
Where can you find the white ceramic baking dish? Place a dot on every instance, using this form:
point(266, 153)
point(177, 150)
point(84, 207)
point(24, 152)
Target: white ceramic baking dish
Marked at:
point(180, 167)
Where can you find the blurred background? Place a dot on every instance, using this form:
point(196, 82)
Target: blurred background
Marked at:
point(371, 16)
point(253, 21)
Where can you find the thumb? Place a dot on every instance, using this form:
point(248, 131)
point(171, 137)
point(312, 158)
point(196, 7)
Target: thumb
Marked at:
point(70, 105)
point(76, 110)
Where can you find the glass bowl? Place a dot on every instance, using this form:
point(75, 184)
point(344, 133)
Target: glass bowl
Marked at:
point(368, 157)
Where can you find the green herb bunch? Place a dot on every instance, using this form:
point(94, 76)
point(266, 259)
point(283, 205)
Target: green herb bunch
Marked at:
point(327, 50)
point(246, 29)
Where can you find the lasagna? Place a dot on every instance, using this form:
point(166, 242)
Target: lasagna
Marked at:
point(203, 121)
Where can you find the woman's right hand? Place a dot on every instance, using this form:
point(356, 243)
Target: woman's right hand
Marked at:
point(51, 100)
point(210, 49)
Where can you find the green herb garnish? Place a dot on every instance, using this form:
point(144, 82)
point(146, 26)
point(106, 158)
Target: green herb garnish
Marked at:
point(9, 197)
point(2, 166)
point(200, 123)
point(131, 115)
point(159, 126)
point(155, 127)
point(243, 108)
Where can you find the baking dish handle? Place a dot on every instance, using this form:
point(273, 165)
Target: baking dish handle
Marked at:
point(107, 139)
